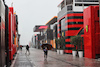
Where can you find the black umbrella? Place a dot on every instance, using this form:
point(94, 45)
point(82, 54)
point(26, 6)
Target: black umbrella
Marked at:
point(49, 46)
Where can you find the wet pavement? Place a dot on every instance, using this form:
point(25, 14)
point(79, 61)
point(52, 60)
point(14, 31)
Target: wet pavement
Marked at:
point(36, 59)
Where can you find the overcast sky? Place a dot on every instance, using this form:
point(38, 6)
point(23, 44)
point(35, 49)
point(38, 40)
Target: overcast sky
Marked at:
point(31, 13)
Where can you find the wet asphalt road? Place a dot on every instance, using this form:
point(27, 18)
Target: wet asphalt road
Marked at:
point(36, 59)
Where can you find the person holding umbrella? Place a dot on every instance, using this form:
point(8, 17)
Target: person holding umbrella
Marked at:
point(46, 47)
point(45, 53)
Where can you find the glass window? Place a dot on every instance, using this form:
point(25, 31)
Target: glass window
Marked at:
point(84, 4)
point(81, 32)
point(51, 26)
point(86, 0)
point(69, 2)
point(63, 24)
point(78, 4)
point(69, 7)
point(90, 4)
point(62, 5)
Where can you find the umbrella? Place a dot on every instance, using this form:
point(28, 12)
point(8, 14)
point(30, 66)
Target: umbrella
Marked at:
point(49, 46)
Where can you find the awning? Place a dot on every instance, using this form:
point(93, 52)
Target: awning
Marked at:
point(39, 28)
point(43, 27)
point(52, 20)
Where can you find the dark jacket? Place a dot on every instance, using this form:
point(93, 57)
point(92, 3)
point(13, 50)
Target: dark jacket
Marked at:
point(27, 47)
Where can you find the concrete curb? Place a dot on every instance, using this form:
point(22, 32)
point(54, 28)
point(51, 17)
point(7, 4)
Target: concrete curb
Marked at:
point(13, 63)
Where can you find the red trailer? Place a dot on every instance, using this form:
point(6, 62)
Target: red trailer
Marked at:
point(2, 34)
point(10, 37)
point(8, 29)
point(13, 30)
point(91, 32)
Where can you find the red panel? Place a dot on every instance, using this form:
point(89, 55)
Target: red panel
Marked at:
point(12, 30)
point(75, 25)
point(43, 27)
point(14, 49)
point(59, 35)
point(71, 32)
point(69, 45)
point(13, 23)
point(11, 10)
point(89, 37)
point(59, 25)
point(67, 40)
point(97, 43)
point(10, 37)
point(68, 51)
point(79, 30)
point(96, 13)
point(97, 30)
point(74, 20)
point(59, 30)
point(75, 14)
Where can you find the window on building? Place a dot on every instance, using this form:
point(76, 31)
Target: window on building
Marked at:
point(69, 7)
point(69, 2)
point(62, 5)
point(81, 32)
point(51, 26)
point(55, 31)
point(90, 4)
point(86, 0)
point(63, 24)
point(77, 4)
point(78, 0)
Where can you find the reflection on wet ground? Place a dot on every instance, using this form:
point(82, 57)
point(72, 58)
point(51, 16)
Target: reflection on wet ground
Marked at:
point(36, 59)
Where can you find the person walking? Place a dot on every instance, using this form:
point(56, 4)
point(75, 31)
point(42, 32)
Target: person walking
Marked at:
point(21, 47)
point(27, 50)
point(45, 53)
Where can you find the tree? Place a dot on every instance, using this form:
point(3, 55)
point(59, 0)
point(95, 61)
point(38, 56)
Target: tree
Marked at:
point(62, 39)
point(76, 41)
point(60, 42)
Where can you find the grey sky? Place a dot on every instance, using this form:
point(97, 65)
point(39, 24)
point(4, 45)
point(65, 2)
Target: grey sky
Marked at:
point(31, 13)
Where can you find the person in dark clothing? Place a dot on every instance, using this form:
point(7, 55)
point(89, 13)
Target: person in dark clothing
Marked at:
point(45, 52)
point(21, 47)
point(27, 50)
